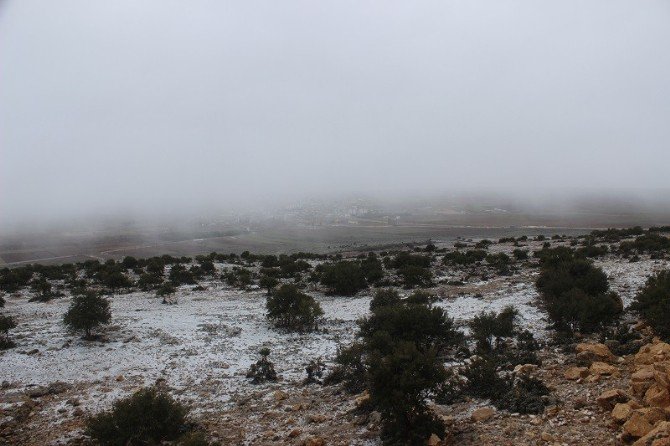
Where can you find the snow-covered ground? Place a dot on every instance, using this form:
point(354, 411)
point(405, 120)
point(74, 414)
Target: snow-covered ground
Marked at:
point(203, 345)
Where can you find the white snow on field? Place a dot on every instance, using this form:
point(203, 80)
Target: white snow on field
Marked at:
point(203, 345)
point(628, 278)
point(522, 296)
point(208, 338)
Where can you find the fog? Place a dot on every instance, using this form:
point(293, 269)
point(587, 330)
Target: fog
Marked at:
point(169, 106)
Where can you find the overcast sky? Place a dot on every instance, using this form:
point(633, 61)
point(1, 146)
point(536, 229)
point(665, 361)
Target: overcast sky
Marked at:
point(167, 103)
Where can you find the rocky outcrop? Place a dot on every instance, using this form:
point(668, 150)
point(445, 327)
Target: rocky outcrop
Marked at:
point(644, 411)
point(591, 352)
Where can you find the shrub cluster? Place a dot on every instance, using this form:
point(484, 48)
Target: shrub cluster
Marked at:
point(576, 294)
point(501, 345)
point(398, 357)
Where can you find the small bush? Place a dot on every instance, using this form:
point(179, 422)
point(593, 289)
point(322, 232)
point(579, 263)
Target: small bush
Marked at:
point(291, 309)
point(314, 371)
point(87, 311)
point(6, 323)
point(349, 369)
point(653, 304)
point(622, 340)
point(268, 282)
point(575, 293)
point(520, 254)
point(482, 380)
point(400, 382)
point(525, 395)
point(165, 291)
point(488, 329)
point(464, 258)
point(263, 370)
point(426, 327)
point(148, 417)
point(413, 275)
point(383, 298)
point(344, 277)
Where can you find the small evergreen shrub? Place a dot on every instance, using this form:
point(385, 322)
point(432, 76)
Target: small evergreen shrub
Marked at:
point(314, 371)
point(526, 395)
point(384, 297)
point(653, 304)
point(349, 369)
point(345, 277)
point(400, 382)
point(263, 370)
point(489, 329)
point(576, 294)
point(6, 323)
point(148, 417)
point(87, 312)
point(415, 276)
point(291, 309)
point(482, 379)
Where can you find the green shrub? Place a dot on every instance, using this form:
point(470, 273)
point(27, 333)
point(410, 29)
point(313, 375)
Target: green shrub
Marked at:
point(268, 282)
point(349, 369)
point(653, 304)
point(166, 290)
point(482, 379)
point(263, 370)
point(291, 309)
point(383, 298)
point(86, 312)
point(575, 294)
point(464, 258)
point(400, 382)
point(111, 275)
point(12, 280)
point(42, 289)
point(373, 269)
point(314, 371)
point(488, 329)
point(179, 275)
point(520, 254)
point(575, 310)
point(426, 327)
point(6, 323)
point(413, 275)
point(148, 417)
point(622, 340)
point(344, 277)
point(647, 243)
point(526, 395)
point(404, 259)
point(149, 281)
point(421, 297)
